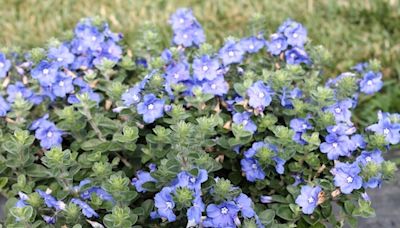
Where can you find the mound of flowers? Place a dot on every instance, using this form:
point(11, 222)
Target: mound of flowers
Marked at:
point(193, 135)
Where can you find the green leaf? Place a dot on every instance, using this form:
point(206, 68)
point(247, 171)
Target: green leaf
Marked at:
point(285, 212)
point(95, 144)
point(3, 182)
point(267, 216)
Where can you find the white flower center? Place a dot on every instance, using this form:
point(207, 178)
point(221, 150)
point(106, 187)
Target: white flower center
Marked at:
point(254, 166)
point(135, 97)
point(224, 210)
point(185, 36)
point(150, 106)
point(251, 47)
point(1, 65)
point(245, 122)
point(293, 55)
point(192, 179)
point(369, 82)
point(279, 46)
point(61, 83)
point(46, 71)
point(368, 159)
point(261, 95)
point(213, 86)
point(230, 53)
point(304, 126)
point(94, 38)
point(295, 35)
point(169, 205)
point(59, 59)
point(49, 134)
point(338, 110)
point(181, 21)
point(176, 76)
point(386, 131)
point(349, 179)
point(334, 145)
point(205, 68)
point(310, 200)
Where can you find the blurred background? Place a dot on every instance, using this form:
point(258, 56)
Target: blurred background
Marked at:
point(352, 30)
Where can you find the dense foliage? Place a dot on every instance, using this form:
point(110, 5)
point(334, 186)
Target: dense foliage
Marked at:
point(244, 135)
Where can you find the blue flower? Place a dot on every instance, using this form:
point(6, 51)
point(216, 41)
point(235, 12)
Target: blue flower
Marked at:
point(22, 200)
point(182, 18)
point(63, 85)
point(131, 96)
point(49, 135)
point(257, 146)
point(335, 146)
point(245, 205)
point(186, 179)
point(277, 44)
point(259, 95)
point(347, 177)
point(308, 198)
point(386, 128)
point(252, 169)
point(187, 37)
point(73, 99)
point(288, 96)
point(141, 178)
point(61, 55)
point(371, 82)
point(231, 52)
point(245, 120)
point(217, 86)
point(18, 89)
point(341, 111)
point(90, 38)
point(367, 157)
point(187, 31)
point(100, 192)
point(39, 122)
point(50, 200)
point(357, 141)
point(360, 67)
point(296, 56)
point(374, 156)
point(206, 68)
point(222, 215)
point(341, 129)
point(194, 213)
point(300, 125)
point(165, 204)
point(5, 65)
point(279, 164)
point(87, 211)
point(109, 51)
point(177, 72)
point(151, 108)
point(296, 34)
point(4, 106)
point(45, 73)
point(251, 44)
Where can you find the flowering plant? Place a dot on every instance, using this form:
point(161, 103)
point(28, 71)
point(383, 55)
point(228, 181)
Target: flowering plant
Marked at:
point(247, 135)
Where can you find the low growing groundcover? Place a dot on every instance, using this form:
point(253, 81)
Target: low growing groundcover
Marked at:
point(249, 134)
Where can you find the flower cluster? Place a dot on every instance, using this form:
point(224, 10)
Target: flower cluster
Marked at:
point(243, 135)
point(290, 39)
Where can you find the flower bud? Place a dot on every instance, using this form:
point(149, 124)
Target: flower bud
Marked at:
point(184, 197)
